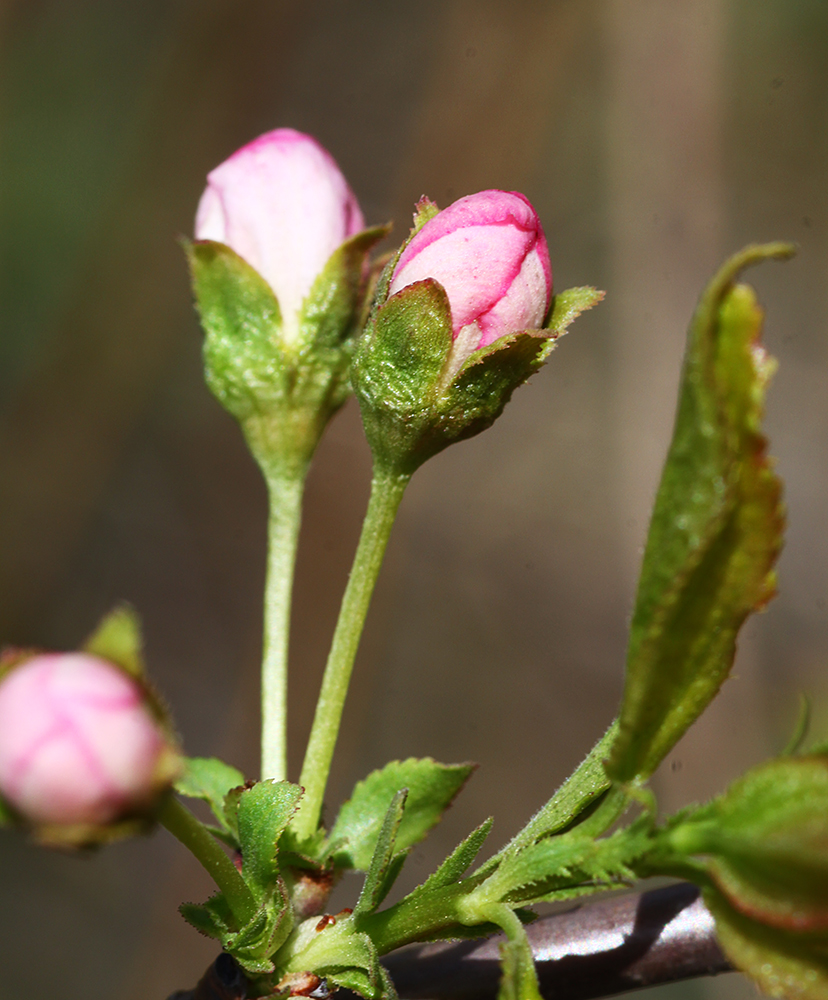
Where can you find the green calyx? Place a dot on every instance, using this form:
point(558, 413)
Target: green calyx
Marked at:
point(282, 391)
point(420, 390)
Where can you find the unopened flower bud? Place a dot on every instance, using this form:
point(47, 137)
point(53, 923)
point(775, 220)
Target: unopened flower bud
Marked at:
point(489, 253)
point(462, 318)
point(283, 205)
point(280, 274)
point(79, 745)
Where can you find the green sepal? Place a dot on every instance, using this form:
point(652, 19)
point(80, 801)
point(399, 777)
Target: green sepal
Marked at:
point(765, 843)
point(246, 365)
point(210, 779)
point(283, 390)
point(424, 211)
point(432, 788)
point(264, 810)
point(386, 862)
point(118, 639)
point(565, 308)
point(396, 371)
point(328, 312)
point(781, 963)
point(715, 532)
point(419, 390)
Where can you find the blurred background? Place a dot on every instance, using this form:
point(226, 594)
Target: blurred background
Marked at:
point(653, 138)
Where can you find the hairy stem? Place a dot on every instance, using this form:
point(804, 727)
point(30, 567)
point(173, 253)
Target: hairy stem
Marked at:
point(386, 493)
point(199, 841)
point(285, 491)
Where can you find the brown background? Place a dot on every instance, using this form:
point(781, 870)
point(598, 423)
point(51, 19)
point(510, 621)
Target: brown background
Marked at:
point(653, 137)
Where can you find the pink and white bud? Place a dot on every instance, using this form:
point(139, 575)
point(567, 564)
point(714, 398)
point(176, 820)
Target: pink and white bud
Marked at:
point(78, 744)
point(489, 253)
point(283, 205)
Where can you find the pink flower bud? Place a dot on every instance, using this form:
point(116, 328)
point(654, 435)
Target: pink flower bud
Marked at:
point(77, 743)
point(283, 205)
point(489, 253)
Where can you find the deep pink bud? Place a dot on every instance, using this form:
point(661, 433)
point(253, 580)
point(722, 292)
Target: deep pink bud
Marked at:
point(77, 743)
point(283, 205)
point(489, 252)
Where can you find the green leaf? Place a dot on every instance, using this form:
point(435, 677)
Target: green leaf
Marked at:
point(564, 862)
point(716, 528)
point(246, 365)
point(766, 839)
point(431, 790)
point(347, 958)
point(460, 859)
point(781, 963)
point(210, 779)
point(384, 860)
point(582, 789)
point(264, 934)
point(118, 639)
point(213, 919)
point(264, 812)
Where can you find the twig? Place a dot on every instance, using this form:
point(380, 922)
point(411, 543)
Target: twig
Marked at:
point(596, 949)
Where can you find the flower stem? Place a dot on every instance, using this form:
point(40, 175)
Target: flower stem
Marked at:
point(387, 490)
point(285, 498)
point(199, 841)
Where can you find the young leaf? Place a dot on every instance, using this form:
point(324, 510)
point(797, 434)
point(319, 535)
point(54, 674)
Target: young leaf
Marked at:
point(384, 859)
point(213, 919)
point(264, 812)
point(431, 790)
point(781, 963)
point(555, 863)
point(716, 528)
point(264, 934)
point(452, 869)
point(210, 779)
point(765, 841)
point(581, 789)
